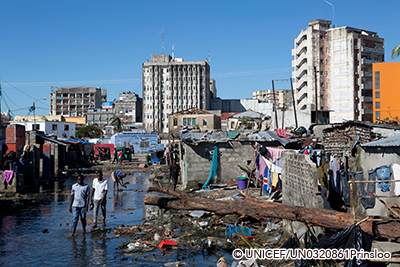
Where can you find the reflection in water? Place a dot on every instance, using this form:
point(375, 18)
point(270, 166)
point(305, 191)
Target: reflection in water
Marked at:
point(99, 251)
point(79, 255)
point(117, 201)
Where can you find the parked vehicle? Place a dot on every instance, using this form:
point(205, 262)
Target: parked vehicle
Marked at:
point(127, 153)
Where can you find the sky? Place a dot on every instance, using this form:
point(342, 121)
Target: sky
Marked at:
point(47, 43)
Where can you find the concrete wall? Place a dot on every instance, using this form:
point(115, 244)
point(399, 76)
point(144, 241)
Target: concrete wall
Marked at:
point(369, 159)
point(300, 185)
point(196, 163)
point(47, 127)
point(14, 185)
point(211, 121)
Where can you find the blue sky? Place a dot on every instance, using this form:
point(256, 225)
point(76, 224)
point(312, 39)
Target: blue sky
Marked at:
point(103, 43)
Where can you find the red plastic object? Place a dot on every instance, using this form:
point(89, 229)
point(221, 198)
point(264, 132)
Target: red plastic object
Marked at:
point(250, 238)
point(166, 243)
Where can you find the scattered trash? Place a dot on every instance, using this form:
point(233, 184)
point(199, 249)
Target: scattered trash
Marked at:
point(133, 246)
point(274, 240)
point(271, 226)
point(197, 213)
point(247, 263)
point(231, 230)
point(203, 223)
point(222, 263)
point(157, 237)
point(45, 231)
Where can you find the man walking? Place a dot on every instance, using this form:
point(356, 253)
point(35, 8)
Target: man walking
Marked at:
point(79, 203)
point(98, 197)
point(174, 173)
point(117, 178)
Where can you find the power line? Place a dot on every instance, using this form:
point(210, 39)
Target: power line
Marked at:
point(11, 100)
point(5, 102)
point(18, 89)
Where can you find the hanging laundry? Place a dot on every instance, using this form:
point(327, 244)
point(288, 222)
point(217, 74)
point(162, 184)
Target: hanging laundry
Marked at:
point(275, 179)
point(7, 176)
point(367, 203)
point(383, 173)
point(334, 168)
point(274, 153)
point(276, 169)
point(344, 187)
point(396, 176)
point(334, 198)
point(323, 175)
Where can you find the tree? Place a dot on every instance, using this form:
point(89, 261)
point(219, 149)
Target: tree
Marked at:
point(116, 122)
point(396, 52)
point(89, 131)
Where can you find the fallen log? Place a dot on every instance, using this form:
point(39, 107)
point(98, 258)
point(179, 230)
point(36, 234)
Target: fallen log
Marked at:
point(263, 210)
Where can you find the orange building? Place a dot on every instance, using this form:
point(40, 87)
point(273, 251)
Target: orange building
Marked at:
point(386, 91)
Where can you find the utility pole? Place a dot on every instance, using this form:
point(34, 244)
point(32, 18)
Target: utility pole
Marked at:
point(34, 116)
point(294, 103)
point(0, 103)
point(316, 95)
point(276, 112)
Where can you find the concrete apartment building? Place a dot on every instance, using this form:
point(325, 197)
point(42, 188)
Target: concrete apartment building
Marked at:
point(75, 101)
point(282, 97)
point(386, 91)
point(335, 64)
point(129, 108)
point(171, 85)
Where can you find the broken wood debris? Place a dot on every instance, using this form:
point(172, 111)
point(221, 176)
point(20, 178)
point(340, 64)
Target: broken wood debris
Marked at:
point(263, 210)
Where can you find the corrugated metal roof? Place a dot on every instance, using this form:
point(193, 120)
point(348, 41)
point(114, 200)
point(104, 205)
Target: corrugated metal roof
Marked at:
point(393, 141)
point(264, 136)
point(248, 114)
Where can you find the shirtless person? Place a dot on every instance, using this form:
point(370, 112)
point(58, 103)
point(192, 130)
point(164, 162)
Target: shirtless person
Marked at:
point(117, 178)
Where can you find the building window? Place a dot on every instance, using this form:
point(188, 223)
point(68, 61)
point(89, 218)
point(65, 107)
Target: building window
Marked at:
point(175, 122)
point(54, 127)
point(377, 80)
point(66, 127)
point(194, 121)
point(184, 121)
point(377, 115)
point(377, 104)
point(204, 122)
point(377, 94)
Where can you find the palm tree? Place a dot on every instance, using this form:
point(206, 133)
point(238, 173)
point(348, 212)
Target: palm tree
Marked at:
point(396, 52)
point(116, 122)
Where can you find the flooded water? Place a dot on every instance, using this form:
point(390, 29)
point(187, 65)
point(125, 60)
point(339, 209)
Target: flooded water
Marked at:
point(40, 236)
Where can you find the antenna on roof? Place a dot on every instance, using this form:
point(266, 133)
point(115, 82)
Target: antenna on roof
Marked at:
point(333, 12)
point(162, 43)
point(173, 51)
point(209, 57)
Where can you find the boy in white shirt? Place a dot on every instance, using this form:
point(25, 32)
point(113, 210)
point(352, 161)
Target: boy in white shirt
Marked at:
point(99, 197)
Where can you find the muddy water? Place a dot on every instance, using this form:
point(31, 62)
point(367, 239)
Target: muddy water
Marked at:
point(40, 236)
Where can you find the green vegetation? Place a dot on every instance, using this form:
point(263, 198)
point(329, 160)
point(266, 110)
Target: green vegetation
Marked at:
point(396, 52)
point(116, 122)
point(89, 131)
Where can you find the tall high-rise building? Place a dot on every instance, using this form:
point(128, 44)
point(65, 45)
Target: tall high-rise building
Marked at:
point(171, 85)
point(75, 101)
point(333, 71)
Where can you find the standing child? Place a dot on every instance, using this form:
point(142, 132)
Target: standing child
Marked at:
point(79, 203)
point(99, 197)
